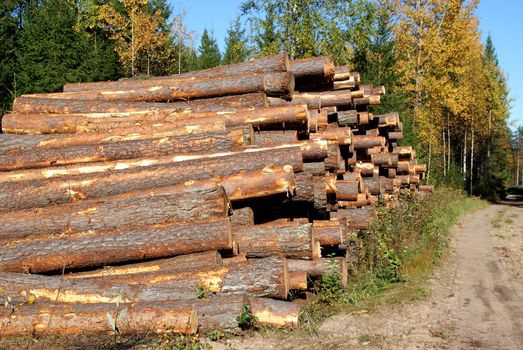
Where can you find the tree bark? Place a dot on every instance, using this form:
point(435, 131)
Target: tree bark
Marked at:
point(271, 117)
point(316, 66)
point(365, 141)
point(328, 232)
point(34, 104)
point(242, 217)
point(347, 190)
point(357, 218)
point(375, 185)
point(128, 149)
point(284, 240)
point(268, 64)
point(198, 200)
point(122, 244)
point(278, 84)
point(275, 137)
point(58, 318)
point(275, 313)
point(248, 159)
point(206, 259)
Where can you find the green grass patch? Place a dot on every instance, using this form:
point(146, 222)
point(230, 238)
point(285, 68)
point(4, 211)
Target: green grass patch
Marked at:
point(395, 256)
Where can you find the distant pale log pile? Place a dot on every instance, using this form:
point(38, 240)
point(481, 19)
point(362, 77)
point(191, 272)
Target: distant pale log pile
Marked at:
point(186, 200)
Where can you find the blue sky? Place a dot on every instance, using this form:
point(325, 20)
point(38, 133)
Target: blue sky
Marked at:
point(499, 18)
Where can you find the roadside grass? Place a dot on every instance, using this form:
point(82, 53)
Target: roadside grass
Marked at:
point(397, 254)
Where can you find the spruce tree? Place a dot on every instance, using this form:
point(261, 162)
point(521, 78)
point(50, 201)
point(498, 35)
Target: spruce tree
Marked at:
point(8, 37)
point(209, 53)
point(236, 45)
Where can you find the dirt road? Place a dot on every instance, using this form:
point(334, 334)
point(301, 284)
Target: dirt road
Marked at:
point(475, 302)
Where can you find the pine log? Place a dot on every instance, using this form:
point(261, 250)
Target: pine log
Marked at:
point(248, 159)
point(314, 168)
point(347, 118)
point(298, 280)
point(405, 152)
point(357, 218)
point(414, 179)
point(381, 158)
point(328, 232)
point(404, 180)
point(328, 98)
point(246, 184)
point(342, 135)
point(196, 200)
point(10, 142)
point(360, 201)
point(275, 137)
point(404, 167)
point(367, 169)
point(387, 120)
point(316, 66)
point(220, 312)
point(392, 185)
point(266, 277)
point(275, 313)
point(284, 240)
point(125, 243)
point(34, 104)
point(140, 318)
point(207, 259)
point(312, 103)
point(395, 135)
point(365, 141)
point(334, 156)
point(242, 217)
point(267, 64)
point(343, 84)
point(347, 190)
point(127, 149)
point(316, 268)
point(279, 84)
point(368, 100)
point(375, 185)
point(420, 168)
point(290, 116)
point(305, 187)
point(315, 149)
point(373, 132)
point(256, 277)
point(341, 73)
point(391, 173)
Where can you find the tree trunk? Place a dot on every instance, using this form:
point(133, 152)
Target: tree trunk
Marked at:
point(357, 218)
point(34, 104)
point(328, 232)
point(242, 217)
point(206, 259)
point(278, 84)
point(111, 246)
point(275, 137)
point(43, 319)
point(275, 313)
point(284, 240)
point(364, 141)
point(316, 66)
point(256, 277)
point(267, 64)
point(196, 200)
point(375, 185)
point(248, 159)
point(267, 118)
point(128, 149)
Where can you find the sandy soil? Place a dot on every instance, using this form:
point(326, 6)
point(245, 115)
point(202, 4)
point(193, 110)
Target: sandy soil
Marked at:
point(476, 299)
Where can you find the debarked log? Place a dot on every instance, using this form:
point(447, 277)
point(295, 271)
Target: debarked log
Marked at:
point(122, 244)
point(315, 66)
point(198, 200)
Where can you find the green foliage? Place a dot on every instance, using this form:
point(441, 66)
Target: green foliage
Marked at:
point(208, 52)
point(235, 44)
point(215, 335)
point(8, 36)
point(246, 320)
point(330, 286)
point(200, 292)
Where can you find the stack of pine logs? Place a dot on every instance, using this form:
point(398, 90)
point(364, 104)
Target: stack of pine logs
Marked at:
point(177, 204)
